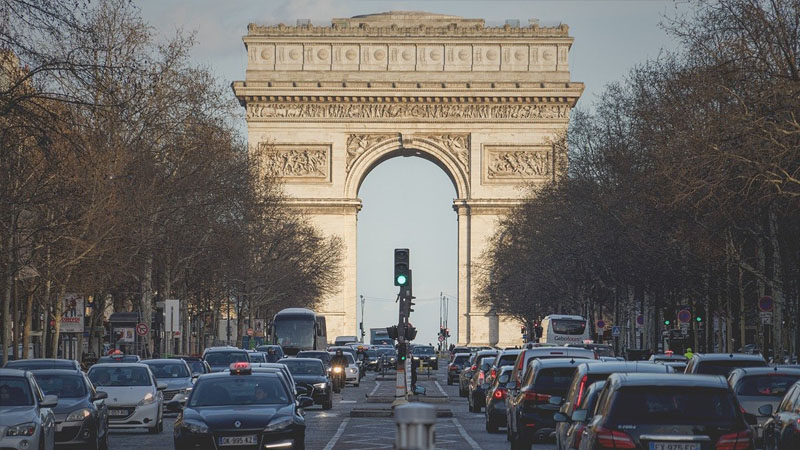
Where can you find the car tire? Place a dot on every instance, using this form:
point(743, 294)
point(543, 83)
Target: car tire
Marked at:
point(104, 442)
point(491, 426)
point(96, 444)
point(328, 404)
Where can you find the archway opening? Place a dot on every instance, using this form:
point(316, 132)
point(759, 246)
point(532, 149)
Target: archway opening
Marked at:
point(407, 203)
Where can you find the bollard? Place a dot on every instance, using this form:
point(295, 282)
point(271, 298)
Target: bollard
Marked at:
point(415, 422)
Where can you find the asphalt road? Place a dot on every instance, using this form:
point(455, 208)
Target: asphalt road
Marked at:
point(336, 430)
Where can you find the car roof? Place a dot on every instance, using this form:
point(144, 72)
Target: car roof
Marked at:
point(513, 351)
point(728, 356)
point(654, 379)
point(463, 354)
point(565, 351)
point(13, 372)
point(121, 364)
point(488, 352)
point(264, 371)
point(224, 349)
point(41, 361)
point(506, 369)
point(56, 372)
point(624, 366)
point(562, 362)
point(743, 372)
point(314, 360)
point(162, 360)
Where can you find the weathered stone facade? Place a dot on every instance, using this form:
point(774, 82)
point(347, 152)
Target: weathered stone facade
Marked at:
point(483, 103)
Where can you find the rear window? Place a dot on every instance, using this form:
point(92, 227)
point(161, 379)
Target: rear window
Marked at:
point(568, 326)
point(673, 405)
point(724, 367)
point(604, 351)
point(225, 358)
point(507, 360)
point(768, 385)
point(461, 359)
point(553, 380)
point(484, 361)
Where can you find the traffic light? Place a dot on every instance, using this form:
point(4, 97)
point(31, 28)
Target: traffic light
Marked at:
point(401, 267)
point(402, 352)
point(698, 319)
point(411, 332)
point(447, 332)
point(392, 331)
point(666, 322)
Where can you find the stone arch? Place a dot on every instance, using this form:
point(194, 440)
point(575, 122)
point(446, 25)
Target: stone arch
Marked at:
point(437, 149)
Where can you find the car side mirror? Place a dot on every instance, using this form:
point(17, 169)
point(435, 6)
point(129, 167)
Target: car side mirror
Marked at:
point(99, 395)
point(511, 385)
point(301, 390)
point(579, 415)
point(750, 419)
point(194, 378)
point(305, 401)
point(560, 417)
point(765, 410)
point(555, 400)
point(161, 386)
point(176, 405)
point(49, 401)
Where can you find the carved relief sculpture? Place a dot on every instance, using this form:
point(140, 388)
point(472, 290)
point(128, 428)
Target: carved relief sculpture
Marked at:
point(357, 144)
point(518, 162)
point(296, 160)
point(456, 144)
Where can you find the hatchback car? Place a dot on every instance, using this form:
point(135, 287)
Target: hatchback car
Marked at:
point(221, 358)
point(496, 400)
point(722, 363)
point(26, 416)
point(43, 364)
point(311, 373)
point(476, 395)
point(456, 366)
point(243, 408)
point(782, 427)
point(81, 414)
point(175, 373)
point(533, 352)
point(758, 386)
point(134, 396)
point(646, 411)
point(465, 377)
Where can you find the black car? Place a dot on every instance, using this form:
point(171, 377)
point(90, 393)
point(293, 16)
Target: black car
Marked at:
point(310, 372)
point(426, 356)
point(476, 395)
point(196, 364)
point(220, 358)
point(456, 366)
point(119, 359)
point(321, 355)
point(241, 408)
point(645, 411)
point(782, 428)
point(496, 400)
point(81, 414)
point(43, 364)
point(581, 415)
point(371, 359)
point(505, 358)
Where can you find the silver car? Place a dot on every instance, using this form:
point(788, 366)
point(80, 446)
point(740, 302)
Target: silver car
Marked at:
point(176, 373)
point(758, 386)
point(26, 418)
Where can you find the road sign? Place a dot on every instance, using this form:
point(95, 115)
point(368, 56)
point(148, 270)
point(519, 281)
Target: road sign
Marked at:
point(176, 334)
point(441, 338)
point(142, 329)
point(685, 331)
point(601, 324)
point(684, 316)
point(616, 331)
point(765, 304)
point(640, 320)
point(766, 317)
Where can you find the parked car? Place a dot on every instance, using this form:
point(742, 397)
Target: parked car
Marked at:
point(722, 363)
point(782, 427)
point(455, 367)
point(134, 395)
point(496, 395)
point(585, 376)
point(176, 374)
point(311, 373)
point(535, 401)
point(758, 386)
point(476, 395)
point(647, 411)
point(26, 416)
point(221, 358)
point(581, 415)
point(43, 364)
point(81, 414)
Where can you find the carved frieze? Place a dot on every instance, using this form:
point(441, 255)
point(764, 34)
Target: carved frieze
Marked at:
point(455, 144)
point(516, 163)
point(302, 162)
point(358, 144)
point(361, 111)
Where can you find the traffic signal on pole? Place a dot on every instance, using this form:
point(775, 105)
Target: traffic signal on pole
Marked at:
point(698, 319)
point(447, 332)
point(402, 351)
point(402, 277)
point(411, 332)
point(666, 322)
point(392, 331)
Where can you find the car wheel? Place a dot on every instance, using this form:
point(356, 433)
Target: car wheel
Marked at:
point(328, 404)
point(491, 426)
point(357, 384)
point(104, 442)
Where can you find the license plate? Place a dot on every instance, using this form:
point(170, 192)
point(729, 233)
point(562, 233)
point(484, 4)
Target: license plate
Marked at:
point(238, 440)
point(117, 412)
point(674, 446)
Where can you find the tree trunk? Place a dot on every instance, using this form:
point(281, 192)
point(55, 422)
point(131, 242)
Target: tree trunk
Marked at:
point(146, 304)
point(59, 311)
point(26, 329)
point(8, 280)
point(777, 294)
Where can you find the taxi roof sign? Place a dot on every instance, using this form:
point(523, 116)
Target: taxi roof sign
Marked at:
point(241, 368)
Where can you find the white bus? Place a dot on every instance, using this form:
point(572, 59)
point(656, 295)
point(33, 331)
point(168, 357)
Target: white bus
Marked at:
point(564, 329)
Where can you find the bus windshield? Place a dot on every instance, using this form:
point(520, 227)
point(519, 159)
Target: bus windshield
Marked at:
point(570, 327)
point(294, 332)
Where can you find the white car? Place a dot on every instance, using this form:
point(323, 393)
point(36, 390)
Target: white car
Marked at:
point(26, 418)
point(134, 398)
point(351, 372)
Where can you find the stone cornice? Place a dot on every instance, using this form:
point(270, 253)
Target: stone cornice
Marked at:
point(453, 30)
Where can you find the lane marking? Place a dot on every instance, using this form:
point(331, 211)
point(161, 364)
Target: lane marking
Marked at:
point(440, 388)
point(338, 434)
point(348, 401)
point(463, 433)
point(377, 385)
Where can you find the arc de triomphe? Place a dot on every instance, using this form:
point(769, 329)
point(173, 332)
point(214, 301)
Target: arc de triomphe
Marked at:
point(330, 103)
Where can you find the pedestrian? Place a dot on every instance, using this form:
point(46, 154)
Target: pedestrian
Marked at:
point(414, 365)
point(688, 353)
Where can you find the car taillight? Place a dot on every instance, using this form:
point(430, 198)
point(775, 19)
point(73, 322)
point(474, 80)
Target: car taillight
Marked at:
point(499, 393)
point(472, 369)
point(581, 388)
point(735, 441)
point(493, 373)
point(533, 397)
point(613, 439)
point(480, 377)
point(453, 368)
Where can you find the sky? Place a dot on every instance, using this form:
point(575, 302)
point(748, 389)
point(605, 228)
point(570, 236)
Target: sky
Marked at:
point(611, 37)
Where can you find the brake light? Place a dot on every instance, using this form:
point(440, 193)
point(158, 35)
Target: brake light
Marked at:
point(614, 439)
point(480, 377)
point(581, 388)
point(453, 368)
point(735, 441)
point(499, 393)
point(493, 373)
point(533, 397)
point(473, 368)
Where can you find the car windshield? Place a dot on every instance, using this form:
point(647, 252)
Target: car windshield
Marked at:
point(225, 358)
point(295, 332)
point(304, 367)
point(372, 353)
point(119, 376)
point(230, 390)
point(15, 391)
point(767, 385)
point(257, 357)
point(673, 405)
point(568, 326)
point(196, 366)
point(168, 369)
point(387, 351)
point(554, 381)
point(724, 367)
point(64, 386)
point(423, 351)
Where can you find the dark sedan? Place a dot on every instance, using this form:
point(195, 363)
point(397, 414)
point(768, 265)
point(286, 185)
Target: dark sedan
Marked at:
point(241, 408)
point(782, 428)
point(81, 414)
point(311, 373)
point(43, 364)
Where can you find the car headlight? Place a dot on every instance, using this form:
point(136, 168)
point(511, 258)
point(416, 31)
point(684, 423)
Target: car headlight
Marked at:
point(196, 427)
point(320, 385)
point(433, 357)
point(337, 369)
point(148, 399)
point(186, 391)
point(278, 424)
point(25, 429)
point(416, 357)
point(78, 415)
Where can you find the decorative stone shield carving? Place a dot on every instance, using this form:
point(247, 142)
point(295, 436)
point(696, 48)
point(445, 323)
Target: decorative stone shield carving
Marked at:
point(302, 162)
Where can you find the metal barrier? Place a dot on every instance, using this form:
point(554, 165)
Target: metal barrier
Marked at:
point(415, 427)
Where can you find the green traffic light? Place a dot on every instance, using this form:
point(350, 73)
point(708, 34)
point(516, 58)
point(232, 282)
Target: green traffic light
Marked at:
point(401, 280)
point(666, 322)
point(699, 319)
point(403, 358)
